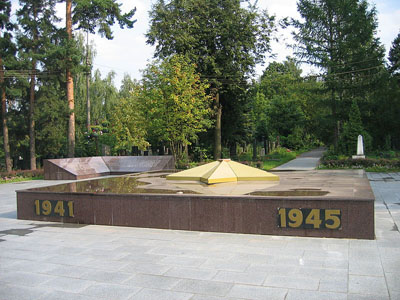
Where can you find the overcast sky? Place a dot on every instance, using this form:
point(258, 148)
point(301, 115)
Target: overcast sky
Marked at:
point(129, 53)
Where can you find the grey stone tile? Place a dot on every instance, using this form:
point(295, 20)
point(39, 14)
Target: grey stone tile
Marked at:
point(367, 285)
point(367, 297)
point(257, 292)
point(310, 295)
point(12, 292)
point(105, 276)
point(183, 261)
point(67, 271)
point(191, 273)
point(146, 268)
point(32, 266)
point(66, 284)
point(292, 282)
point(253, 278)
point(69, 260)
point(151, 294)
point(111, 291)
point(208, 297)
point(143, 257)
point(320, 272)
point(255, 258)
point(24, 278)
point(391, 265)
point(393, 281)
point(108, 265)
point(227, 265)
point(152, 281)
point(389, 252)
point(336, 264)
point(203, 287)
point(326, 254)
point(394, 295)
point(57, 295)
point(364, 253)
point(279, 270)
point(367, 268)
point(334, 284)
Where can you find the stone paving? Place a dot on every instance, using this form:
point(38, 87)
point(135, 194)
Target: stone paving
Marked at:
point(42, 260)
point(304, 162)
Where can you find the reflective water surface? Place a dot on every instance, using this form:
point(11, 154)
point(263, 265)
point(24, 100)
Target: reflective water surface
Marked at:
point(290, 193)
point(135, 185)
point(112, 185)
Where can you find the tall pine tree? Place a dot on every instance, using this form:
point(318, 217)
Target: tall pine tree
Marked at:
point(37, 19)
point(339, 38)
point(7, 60)
point(90, 16)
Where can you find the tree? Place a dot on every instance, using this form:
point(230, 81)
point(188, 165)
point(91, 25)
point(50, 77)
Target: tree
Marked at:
point(36, 19)
point(7, 56)
point(222, 38)
point(174, 98)
point(394, 55)
point(89, 16)
point(286, 105)
point(129, 124)
point(338, 37)
point(352, 129)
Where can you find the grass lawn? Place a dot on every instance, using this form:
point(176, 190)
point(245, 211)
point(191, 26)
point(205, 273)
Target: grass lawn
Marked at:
point(273, 159)
point(21, 175)
point(19, 178)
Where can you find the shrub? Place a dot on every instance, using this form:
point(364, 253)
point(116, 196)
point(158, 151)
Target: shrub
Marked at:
point(21, 173)
point(360, 163)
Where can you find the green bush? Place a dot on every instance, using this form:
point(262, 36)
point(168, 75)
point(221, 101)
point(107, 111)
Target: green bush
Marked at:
point(21, 174)
point(360, 163)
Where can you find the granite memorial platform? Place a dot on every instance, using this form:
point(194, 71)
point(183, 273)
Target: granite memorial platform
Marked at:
point(321, 203)
point(90, 167)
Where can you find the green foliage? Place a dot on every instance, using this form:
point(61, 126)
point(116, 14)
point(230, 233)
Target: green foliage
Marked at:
point(174, 98)
point(338, 37)
point(225, 40)
point(278, 157)
point(128, 124)
point(285, 106)
point(368, 163)
point(394, 55)
point(351, 130)
point(21, 175)
point(100, 15)
point(221, 37)
point(51, 120)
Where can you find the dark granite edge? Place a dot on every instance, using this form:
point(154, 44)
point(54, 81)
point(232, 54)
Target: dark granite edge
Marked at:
point(221, 197)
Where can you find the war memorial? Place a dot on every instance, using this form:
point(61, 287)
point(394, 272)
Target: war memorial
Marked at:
point(222, 196)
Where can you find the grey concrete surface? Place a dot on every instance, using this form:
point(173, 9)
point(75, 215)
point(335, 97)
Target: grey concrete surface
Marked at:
point(42, 260)
point(304, 162)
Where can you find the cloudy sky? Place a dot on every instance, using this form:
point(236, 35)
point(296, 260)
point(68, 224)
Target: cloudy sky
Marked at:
point(128, 52)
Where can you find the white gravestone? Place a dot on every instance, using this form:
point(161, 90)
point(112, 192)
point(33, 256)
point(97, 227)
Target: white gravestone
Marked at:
point(360, 148)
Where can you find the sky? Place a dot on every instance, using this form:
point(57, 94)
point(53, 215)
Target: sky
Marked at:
point(128, 52)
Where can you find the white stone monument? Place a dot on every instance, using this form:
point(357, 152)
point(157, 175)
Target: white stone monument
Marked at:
point(360, 148)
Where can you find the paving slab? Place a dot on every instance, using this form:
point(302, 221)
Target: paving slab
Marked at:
point(304, 162)
point(44, 260)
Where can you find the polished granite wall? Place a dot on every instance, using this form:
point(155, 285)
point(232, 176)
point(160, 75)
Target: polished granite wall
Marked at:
point(89, 167)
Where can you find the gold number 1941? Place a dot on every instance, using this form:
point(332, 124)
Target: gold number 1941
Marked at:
point(54, 208)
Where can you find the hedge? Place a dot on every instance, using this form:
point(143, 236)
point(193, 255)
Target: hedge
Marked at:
point(361, 163)
point(22, 173)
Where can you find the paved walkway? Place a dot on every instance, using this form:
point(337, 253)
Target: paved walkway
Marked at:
point(304, 162)
point(42, 260)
